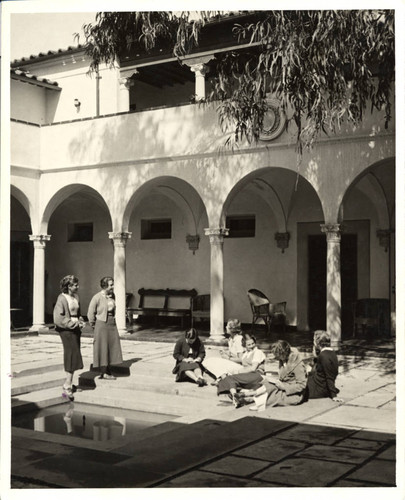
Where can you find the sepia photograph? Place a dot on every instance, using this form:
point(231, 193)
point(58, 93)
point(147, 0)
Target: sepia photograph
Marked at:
point(200, 254)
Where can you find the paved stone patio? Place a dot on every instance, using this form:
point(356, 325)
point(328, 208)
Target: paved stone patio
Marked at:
point(207, 443)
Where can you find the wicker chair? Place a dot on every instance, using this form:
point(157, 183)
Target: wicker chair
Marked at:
point(260, 306)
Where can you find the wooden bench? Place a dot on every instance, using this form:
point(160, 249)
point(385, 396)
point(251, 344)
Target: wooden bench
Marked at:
point(164, 302)
point(200, 309)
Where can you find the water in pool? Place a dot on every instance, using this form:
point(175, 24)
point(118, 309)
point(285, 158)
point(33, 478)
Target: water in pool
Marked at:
point(89, 421)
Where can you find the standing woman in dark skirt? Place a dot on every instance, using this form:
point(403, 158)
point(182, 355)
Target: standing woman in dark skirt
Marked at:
point(189, 352)
point(101, 315)
point(68, 323)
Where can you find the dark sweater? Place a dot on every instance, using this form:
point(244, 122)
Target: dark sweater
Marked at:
point(321, 381)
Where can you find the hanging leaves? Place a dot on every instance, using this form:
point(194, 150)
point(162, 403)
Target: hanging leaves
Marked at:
point(325, 66)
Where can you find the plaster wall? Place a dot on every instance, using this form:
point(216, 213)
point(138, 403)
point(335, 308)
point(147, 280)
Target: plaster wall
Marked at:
point(166, 263)
point(164, 137)
point(27, 102)
point(89, 261)
point(25, 145)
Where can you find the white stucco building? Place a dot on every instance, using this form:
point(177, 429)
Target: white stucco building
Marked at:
point(112, 174)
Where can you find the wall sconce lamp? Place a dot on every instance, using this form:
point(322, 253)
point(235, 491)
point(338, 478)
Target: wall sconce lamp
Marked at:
point(77, 103)
point(282, 240)
point(384, 236)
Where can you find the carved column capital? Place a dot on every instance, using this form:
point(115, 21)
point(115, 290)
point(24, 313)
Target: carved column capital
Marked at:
point(199, 69)
point(198, 63)
point(216, 235)
point(120, 239)
point(125, 82)
point(40, 240)
point(332, 231)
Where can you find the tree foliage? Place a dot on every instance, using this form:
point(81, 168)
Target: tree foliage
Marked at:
point(323, 66)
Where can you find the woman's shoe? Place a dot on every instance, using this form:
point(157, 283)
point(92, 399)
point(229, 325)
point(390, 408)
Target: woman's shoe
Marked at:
point(107, 376)
point(201, 382)
point(67, 393)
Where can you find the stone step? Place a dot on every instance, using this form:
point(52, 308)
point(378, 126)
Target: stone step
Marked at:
point(37, 400)
point(46, 365)
point(143, 400)
point(31, 383)
point(164, 384)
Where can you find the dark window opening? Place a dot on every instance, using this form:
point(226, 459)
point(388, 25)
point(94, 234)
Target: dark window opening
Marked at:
point(157, 229)
point(81, 231)
point(241, 226)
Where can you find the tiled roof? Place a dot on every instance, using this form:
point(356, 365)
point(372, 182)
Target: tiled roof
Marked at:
point(35, 79)
point(46, 55)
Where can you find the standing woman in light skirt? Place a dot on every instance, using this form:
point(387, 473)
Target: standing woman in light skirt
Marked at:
point(101, 315)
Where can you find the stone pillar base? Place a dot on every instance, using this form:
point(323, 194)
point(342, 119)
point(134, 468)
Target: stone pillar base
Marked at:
point(39, 329)
point(335, 344)
point(218, 338)
point(123, 332)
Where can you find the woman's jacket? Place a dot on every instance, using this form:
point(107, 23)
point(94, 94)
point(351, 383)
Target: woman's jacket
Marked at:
point(293, 381)
point(182, 350)
point(98, 308)
point(61, 315)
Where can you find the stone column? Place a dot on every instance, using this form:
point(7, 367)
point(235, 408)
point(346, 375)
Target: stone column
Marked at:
point(198, 66)
point(38, 314)
point(120, 242)
point(123, 97)
point(333, 283)
point(216, 236)
point(200, 70)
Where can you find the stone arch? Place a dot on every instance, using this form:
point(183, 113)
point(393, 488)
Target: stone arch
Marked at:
point(21, 197)
point(372, 182)
point(63, 194)
point(183, 194)
point(277, 187)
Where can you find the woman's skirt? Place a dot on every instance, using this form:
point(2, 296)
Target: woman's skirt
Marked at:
point(106, 345)
point(72, 357)
point(250, 380)
point(219, 366)
point(183, 367)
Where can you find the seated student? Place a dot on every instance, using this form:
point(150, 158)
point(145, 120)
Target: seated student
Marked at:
point(251, 373)
point(189, 353)
point(322, 377)
point(288, 388)
point(230, 361)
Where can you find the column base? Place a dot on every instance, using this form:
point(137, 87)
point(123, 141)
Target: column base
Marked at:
point(123, 332)
point(217, 338)
point(39, 328)
point(336, 345)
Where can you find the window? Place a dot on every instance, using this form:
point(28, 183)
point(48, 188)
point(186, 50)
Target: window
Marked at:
point(156, 229)
point(80, 231)
point(241, 226)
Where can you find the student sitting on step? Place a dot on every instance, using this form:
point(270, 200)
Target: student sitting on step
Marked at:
point(251, 374)
point(322, 377)
point(286, 389)
point(189, 353)
point(230, 361)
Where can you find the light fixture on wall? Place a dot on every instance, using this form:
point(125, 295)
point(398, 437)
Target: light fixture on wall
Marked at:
point(193, 241)
point(282, 240)
point(77, 103)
